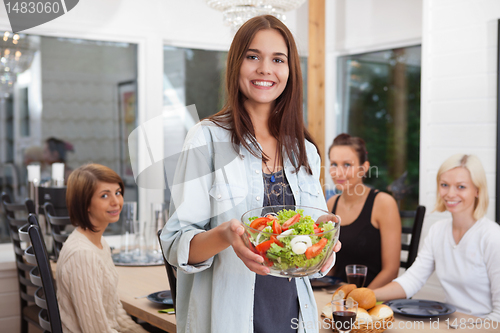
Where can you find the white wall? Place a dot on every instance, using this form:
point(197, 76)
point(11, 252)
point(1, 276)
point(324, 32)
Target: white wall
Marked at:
point(459, 74)
point(365, 25)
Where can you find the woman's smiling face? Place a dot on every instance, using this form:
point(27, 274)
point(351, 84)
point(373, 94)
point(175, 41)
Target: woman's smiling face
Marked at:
point(264, 71)
point(345, 170)
point(105, 205)
point(458, 191)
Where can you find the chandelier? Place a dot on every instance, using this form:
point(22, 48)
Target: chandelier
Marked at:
point(16, 54)
point(237, 12)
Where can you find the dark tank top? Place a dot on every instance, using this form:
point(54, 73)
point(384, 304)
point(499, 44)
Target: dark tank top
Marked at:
point(276, 301)
point(360, 243)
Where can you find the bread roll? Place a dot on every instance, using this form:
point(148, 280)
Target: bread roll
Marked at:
point(343, 291)
point(365, 297)
point(363, 317)
point(380, 311)
point(327, 311)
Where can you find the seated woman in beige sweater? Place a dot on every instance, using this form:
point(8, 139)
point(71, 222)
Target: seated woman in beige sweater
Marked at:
point(86, 276)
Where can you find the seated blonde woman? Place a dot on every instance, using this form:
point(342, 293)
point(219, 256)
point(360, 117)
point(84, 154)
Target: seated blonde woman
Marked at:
point(464, 250)
point(86, 276)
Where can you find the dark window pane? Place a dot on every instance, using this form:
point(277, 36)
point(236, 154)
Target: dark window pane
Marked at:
point(379, 94)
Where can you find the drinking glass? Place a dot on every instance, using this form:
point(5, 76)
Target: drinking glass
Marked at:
point(129, 233)
point(356, 274)
point(159, 215)
point(140, 254)
point(344, 314)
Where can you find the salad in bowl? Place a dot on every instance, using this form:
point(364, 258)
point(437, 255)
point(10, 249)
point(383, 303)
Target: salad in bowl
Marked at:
point(295, 241)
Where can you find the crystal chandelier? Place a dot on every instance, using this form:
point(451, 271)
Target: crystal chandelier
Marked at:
point(16, 54)
point(237, 12)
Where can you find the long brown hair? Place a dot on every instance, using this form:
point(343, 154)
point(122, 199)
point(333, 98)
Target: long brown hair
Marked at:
point(286, 122)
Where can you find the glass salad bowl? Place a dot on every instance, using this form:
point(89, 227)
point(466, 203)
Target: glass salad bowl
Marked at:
point(295, 241)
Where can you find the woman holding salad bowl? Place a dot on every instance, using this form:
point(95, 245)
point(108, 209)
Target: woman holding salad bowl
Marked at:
point(272, 161)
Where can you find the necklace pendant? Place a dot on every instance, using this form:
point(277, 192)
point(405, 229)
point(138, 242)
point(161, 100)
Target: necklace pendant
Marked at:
point(273, 179)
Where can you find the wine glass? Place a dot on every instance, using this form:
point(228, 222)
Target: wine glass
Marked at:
point(128, 244)
point(356, 274)
point(344, 314)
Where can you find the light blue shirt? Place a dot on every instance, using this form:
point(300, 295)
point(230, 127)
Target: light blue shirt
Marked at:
point(213, 184)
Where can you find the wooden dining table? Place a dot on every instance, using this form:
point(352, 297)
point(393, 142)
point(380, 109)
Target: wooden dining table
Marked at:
point(137, 282)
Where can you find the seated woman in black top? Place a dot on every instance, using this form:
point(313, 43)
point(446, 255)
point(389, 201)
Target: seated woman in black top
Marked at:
point(371, 227)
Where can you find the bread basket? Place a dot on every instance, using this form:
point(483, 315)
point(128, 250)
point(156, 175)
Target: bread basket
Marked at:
point(380, 316)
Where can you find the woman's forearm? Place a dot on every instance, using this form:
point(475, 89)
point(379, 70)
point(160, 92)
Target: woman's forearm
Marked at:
point(207, 244)
point(390, 291)
point(383, 277)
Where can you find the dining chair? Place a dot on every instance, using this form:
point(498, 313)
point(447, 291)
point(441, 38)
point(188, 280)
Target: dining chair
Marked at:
point(171, 273)
point(58, 226)
point(56, 196)
point(45, 296)
point(410, 236)
point(28, 309)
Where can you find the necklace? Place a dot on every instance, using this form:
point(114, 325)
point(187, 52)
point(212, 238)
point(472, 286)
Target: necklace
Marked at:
point(274, 189)
point(273, 178)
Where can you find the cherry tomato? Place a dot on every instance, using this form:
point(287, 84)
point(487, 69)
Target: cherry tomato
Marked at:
point(290, 222)
point(277, 227)
point(259, 223)
point(314, 250)
point(264, 246)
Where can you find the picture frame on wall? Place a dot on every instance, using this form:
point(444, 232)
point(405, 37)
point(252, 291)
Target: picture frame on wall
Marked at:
point(128, 118)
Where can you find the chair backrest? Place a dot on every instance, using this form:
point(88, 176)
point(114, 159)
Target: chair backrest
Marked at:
point(410, 237)
point(50, 318)
point(17, 219)
point(16, 222)
point(57, 226)
point(171, 273)
point(56, 196)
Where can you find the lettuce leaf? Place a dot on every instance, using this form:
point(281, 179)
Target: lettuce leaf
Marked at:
point(284, 258)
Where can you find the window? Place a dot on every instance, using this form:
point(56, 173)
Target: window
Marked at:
point(71, 93)
point(379, 101)
point(194, 76)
